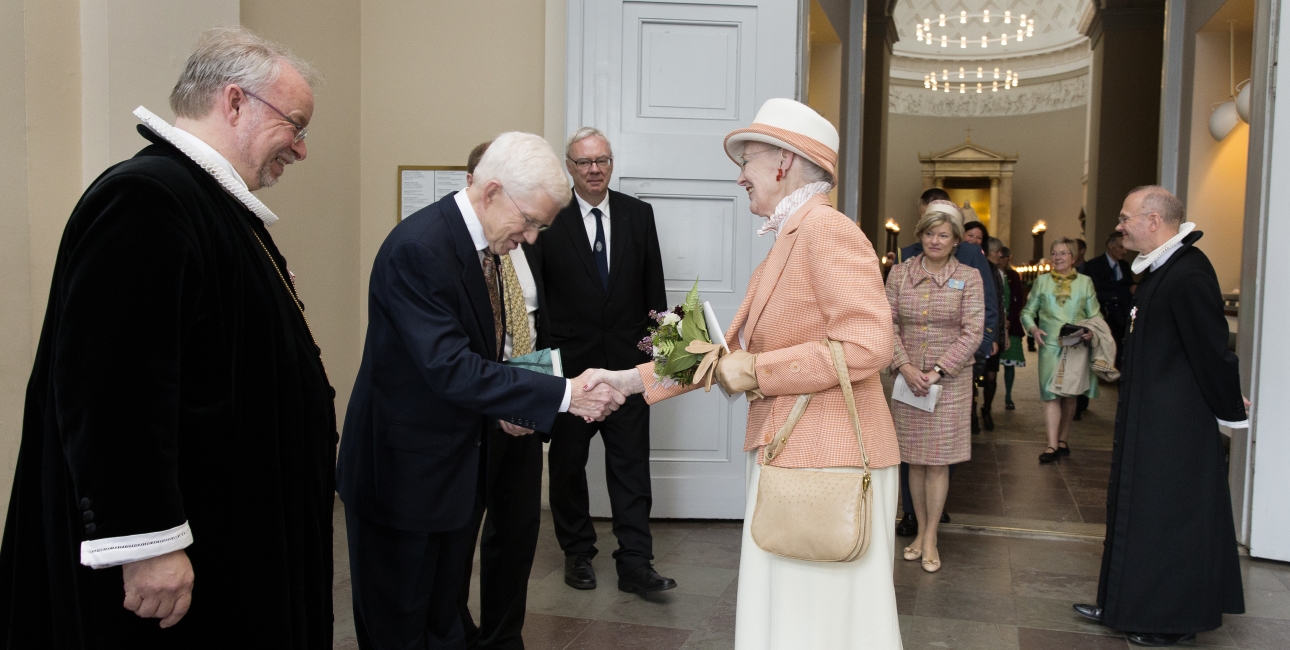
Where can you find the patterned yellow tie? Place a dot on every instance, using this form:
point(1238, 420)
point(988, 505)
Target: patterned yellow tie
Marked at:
point(517, 314)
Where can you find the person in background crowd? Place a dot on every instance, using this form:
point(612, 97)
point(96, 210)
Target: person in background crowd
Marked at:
point(180, 427)
point(1113, 280)
point(1169, 562)
point(974, 257)
point(1014, 354)
point(938, 311)
point(990, 381)
point(974, 235)
point(1058, 298)
point(1081, 249)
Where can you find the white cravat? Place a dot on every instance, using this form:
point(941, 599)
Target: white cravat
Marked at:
point(1156, 258)
point(589, 220)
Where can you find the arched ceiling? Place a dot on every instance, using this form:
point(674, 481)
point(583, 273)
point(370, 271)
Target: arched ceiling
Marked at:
point(1056, 27)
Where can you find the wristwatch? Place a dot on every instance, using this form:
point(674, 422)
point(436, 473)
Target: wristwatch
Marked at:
point(939, 370)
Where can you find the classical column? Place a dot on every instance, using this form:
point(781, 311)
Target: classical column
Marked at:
point(880, 36)
point(1127, 37)
point(1004, 229)
point(996, 227)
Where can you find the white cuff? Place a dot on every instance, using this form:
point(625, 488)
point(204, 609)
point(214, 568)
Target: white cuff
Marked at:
point(113, 551)
point(1243, 424)
point(568, 395)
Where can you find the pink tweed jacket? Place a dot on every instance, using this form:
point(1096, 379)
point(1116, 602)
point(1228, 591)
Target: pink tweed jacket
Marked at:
point(820, 281)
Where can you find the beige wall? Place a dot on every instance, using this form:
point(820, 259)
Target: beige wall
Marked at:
point(1047, 183)
point(1216, 172)
point(318, 198)
point(437, 79)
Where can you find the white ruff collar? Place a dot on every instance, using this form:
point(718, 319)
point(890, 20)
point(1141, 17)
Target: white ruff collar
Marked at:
point(230, 185)
point(789, 204)
point(1144, 262)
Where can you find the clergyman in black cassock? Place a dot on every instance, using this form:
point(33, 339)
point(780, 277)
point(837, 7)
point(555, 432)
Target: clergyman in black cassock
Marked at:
point(1169, 564)
point(176, 391)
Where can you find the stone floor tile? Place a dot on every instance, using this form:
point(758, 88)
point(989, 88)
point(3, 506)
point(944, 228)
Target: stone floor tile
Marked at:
point(906, 598)
point(1040, 639)
point(1265, 575)
point(1251, 633)
point(963, 550)
point(1090, 496)
point(1059, 586)
point(982, 506)
point(1215, 639)
point(663, 609)
point(1040, 510)
point(721, 556)
point(544, 632)
point(717, 630)
point(608, 635)
point(965, 606)
point(961, 490)
point(698, 580)
point(718, 533)
point(1044, 481)
point(551, 596)
point(1051, 557)
point(1266, 603)
point(958, 577)
point(1092, 514)
point(1036, 494)
point(1055, 614)
point(940, 633)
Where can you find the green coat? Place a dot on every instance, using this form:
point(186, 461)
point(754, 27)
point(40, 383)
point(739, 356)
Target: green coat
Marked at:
point(1042, 310)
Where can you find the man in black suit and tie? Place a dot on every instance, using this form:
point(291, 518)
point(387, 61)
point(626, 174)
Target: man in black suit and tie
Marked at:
point(429, 385)
point(602, 274)
point(1113, 280)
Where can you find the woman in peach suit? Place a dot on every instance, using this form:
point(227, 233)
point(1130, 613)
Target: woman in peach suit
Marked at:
point(821, 280)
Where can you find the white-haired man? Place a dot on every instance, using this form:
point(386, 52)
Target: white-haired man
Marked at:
point(1169, 562)
point(603, 273)
point(430, 384)
point(179, 424)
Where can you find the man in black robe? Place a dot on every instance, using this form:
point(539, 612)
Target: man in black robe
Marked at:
point(179, 433)
point(1169, 565)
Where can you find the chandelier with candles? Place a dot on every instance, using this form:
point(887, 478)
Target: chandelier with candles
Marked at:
point(981, 79)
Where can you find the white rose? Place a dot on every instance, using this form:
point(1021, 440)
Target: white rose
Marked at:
point(671, 319)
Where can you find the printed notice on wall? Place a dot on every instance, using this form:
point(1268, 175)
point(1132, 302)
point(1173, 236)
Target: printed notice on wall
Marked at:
point(421, 186)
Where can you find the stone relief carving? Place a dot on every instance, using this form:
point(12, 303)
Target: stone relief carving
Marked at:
point(1025, 99)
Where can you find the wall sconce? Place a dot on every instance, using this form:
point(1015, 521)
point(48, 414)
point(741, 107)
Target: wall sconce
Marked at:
point(893, 235)
point(1038, 231)
point(1226, 115)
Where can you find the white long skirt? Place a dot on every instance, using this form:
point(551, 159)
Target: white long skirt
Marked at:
point(787, 604)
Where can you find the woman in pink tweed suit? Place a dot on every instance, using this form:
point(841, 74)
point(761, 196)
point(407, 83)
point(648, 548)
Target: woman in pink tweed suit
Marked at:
point(820, 281)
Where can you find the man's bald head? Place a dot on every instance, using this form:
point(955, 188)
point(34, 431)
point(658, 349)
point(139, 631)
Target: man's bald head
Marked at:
point(1161, 201)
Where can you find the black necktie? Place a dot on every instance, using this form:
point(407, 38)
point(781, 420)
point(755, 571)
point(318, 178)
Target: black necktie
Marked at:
point(602, 260)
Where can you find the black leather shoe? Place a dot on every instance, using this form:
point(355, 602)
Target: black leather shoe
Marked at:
point(1009, 406)
point(987, 420)
point(1158, 640)
point(1047, 456)
point(945, 517)
point(1063, 449)
point(908, 526)
point(1079, 415)
point(578, 572)
point(644, 580)
point(1091, 612)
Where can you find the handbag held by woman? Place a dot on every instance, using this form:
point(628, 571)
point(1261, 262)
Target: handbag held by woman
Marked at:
point(810, 514)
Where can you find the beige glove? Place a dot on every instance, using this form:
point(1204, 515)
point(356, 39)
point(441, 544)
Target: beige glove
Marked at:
point(737, 373)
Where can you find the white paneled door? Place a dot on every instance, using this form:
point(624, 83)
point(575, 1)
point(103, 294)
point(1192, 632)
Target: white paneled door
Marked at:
point(666, 81)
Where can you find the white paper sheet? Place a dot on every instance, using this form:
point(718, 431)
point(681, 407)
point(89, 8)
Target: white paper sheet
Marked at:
point(901, 392)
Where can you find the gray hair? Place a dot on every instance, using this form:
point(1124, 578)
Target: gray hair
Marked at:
point(524, 164)
point(582, 134)
point(231, 55)
point(993, 244)
point(811, 172)
point(1162, 202)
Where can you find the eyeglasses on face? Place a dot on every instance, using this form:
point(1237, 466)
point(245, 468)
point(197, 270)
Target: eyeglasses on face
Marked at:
point(528, 221)
point(1124, 219)
point(301, 130)
point(585, 164)
point(742, 159)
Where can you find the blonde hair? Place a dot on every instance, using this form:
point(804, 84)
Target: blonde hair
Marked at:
point(1063, 241)
point(934, 218)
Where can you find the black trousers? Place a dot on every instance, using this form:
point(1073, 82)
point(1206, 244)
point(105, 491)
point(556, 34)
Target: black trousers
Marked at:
point(514, 512)
point(405, 585)
point(626, 437)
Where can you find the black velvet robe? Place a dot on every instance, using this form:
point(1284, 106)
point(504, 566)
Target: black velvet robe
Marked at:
point(175, 380)
point(1170, 562)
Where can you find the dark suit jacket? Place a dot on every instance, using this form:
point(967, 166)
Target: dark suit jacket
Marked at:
point(428, 384)
point(1115, 296)
point(973, 257)
point(594, 328)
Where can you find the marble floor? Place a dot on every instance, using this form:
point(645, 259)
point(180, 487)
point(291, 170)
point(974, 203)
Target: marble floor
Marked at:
point(1023, 546)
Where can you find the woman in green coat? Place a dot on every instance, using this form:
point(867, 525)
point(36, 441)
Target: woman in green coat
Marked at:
point(1059, 297)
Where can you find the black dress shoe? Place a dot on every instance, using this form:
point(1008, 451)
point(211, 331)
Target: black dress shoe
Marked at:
point(1158, 640)
point(1009, 406)
point(1091, 612)
point(644, 580)
point(945, 517)
point(908, 526)
point(1079, 415)
point(578, 572)
point(987, 421)
point(1047, 456)
point(1063, 449)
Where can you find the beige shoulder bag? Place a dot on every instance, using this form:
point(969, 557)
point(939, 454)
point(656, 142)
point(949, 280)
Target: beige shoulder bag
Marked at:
point(809, 514)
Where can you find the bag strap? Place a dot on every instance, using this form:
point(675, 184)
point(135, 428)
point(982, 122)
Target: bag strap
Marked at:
point(844, 381)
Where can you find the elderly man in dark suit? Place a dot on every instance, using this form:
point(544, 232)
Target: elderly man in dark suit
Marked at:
point(1169, 561)
point(1113, 280)
point(603, 273)
point(429, 386)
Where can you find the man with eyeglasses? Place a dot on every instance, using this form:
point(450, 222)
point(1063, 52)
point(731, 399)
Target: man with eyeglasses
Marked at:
point(179, 425)
point(602, 274)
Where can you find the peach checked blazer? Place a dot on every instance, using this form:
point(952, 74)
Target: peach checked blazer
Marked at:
point(820, 281)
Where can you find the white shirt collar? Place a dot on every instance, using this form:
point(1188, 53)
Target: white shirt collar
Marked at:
point(1156, 258)
point(1164, 257)
point(215, 156)
point(473, 225)
point(586, 207)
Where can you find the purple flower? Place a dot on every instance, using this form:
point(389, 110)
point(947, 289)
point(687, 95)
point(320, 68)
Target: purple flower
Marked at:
point(646, 344)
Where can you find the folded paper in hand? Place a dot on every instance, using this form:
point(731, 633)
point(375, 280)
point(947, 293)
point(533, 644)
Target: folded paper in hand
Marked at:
point(902, 393)
point(546, 361)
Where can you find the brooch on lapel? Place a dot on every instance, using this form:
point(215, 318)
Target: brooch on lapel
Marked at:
point(1133, 317)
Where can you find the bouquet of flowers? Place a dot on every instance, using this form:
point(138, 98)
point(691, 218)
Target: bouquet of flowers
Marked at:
point(683, 350)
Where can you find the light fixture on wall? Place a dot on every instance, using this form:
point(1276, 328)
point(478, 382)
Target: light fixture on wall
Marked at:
point(1038, 232)
point(893, 235)
point(1226, 115)
point(1025, 28)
